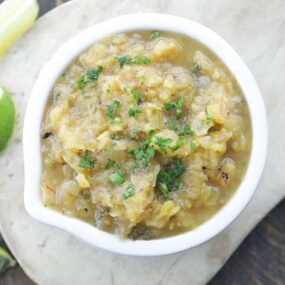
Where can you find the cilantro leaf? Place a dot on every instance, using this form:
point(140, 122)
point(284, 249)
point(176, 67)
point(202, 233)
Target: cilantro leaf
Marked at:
point(93, 73)
point(137, 96)
point(129, 192)
point(180, 141)
point(112, 109)
point(127, 59)
point(109, 163)
point(170, 178)
point(134, 111)
point(170, 105)
point(141, 59)
point(171, 125)
point(85, 161)
point(209, 118)
point(187, 131)
point(178, 105)
point(154, 34)
point(80, 82)
point(162, 142)
point(118, 177)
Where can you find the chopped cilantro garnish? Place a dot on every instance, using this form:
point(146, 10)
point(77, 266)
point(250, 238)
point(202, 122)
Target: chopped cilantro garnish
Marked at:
point(80, 82)
point(170, 105)
point(129, 192)
point(109, 163)
point(141, 59)
point(144, 154)
point(180, 141)
point(154, 34)
point(187, 131)
point(124, 59)
point(170, 178)
point(178, 105)
point(161, 142)
point(137, 96)
point(85, 161)
point(163, 190)
point(209, 118)
point(171, 125)
point(134, 111)
point(112, 109)
point(118, 177)
point(127, 59)
point(91, 74)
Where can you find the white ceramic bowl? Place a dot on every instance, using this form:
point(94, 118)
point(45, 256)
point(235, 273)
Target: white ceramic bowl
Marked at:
point(35, 110)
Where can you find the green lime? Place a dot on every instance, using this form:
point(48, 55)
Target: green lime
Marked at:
point(7, 117)
point(16, 16)
point(6, 260)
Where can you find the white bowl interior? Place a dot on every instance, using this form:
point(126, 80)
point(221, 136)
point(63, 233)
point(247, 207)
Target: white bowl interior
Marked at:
point(36, 107)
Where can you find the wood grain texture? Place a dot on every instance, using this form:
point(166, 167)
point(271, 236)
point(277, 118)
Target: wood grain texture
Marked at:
point(259, 260)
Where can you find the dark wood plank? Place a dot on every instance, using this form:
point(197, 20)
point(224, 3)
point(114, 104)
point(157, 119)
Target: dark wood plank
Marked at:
point(261, 257)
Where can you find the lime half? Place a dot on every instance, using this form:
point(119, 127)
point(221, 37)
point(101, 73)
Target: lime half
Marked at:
point(16, 16)
point(7, 117)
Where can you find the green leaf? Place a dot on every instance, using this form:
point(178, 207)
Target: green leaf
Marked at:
point(209, 118)
point(137, 96)
point(117, 178)
point(85, 162)
point(93, 73)
point(80, 82)
point(112, 109)
point(162, 142)
point(187, 131)
point(134, 111)
point(6, 260)
point(109, 163)
point(143, 154)
point(127, 59)
point(141, 59)
point(170, 105)
point(154, 34)
point(171, 125)
point(180, 141)
point(170, 178)
point(124, 59)
point(178, 105)
point(164, 190)
point(129, 192)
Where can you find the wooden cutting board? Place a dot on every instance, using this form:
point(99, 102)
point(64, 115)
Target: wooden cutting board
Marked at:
point(51, 256)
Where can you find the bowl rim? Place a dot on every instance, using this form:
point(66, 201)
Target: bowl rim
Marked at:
point(36, 107)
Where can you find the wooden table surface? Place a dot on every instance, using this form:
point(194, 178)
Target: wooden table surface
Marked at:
point(259, 260)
